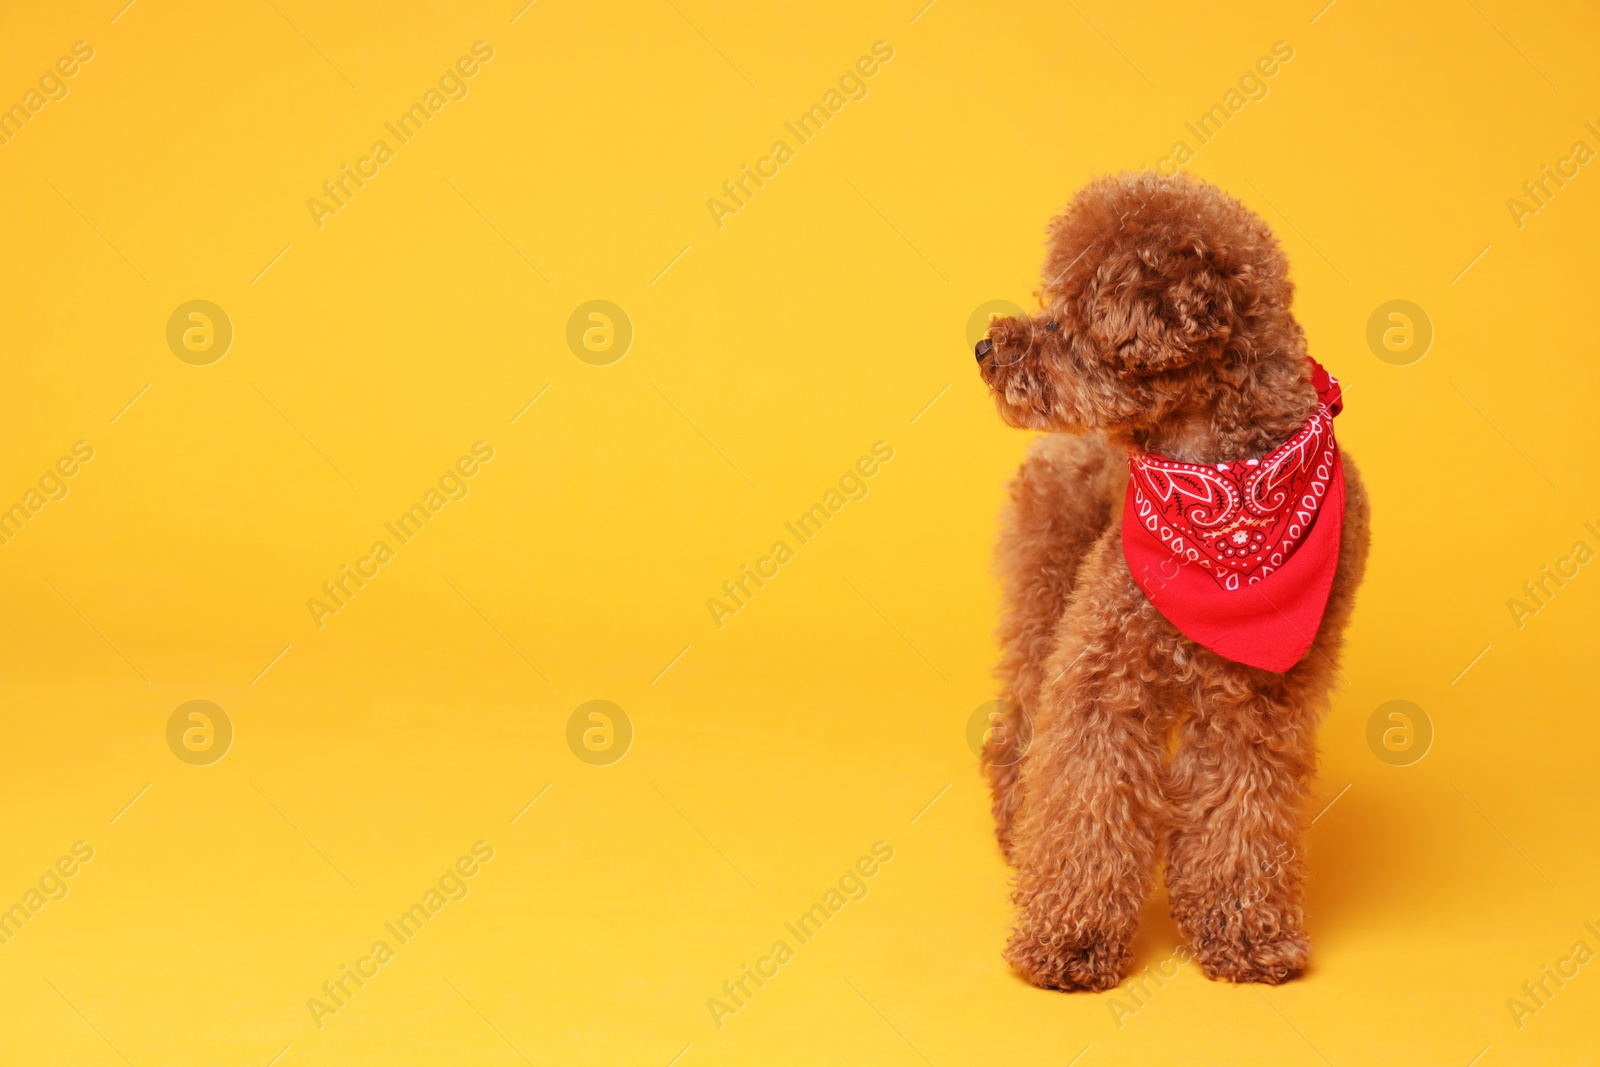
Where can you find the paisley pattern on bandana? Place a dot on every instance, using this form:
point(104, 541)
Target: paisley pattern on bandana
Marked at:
point(1240, 556)
point(1238, 521)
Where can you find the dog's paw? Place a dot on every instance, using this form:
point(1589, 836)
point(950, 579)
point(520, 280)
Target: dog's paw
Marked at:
point(1241, 955)
point(1061, 962)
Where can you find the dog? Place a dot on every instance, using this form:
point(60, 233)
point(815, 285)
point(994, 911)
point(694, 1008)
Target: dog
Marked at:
point(1179, 557)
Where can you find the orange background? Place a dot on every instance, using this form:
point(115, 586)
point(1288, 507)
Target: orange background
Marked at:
point(767, 356)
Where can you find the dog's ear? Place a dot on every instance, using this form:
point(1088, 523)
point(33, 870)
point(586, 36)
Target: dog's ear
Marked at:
point(1151, 308)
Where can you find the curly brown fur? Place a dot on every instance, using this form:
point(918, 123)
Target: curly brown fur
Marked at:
point(1173, 335)
point(1060, 504)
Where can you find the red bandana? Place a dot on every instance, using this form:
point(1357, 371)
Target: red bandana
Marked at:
point(1240, 556)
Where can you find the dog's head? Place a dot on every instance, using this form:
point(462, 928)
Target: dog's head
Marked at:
point(1166, 315)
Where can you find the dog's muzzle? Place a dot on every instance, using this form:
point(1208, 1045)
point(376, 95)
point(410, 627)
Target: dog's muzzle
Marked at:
point(984, 347)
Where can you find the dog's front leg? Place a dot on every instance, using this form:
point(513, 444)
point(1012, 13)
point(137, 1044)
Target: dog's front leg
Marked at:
point(1235, 860)
point(1085, 841)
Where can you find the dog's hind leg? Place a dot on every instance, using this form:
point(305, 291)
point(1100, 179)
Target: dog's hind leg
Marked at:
point(1061, 500)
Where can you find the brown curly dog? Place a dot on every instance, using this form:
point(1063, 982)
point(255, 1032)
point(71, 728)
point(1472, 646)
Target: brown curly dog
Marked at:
point(1167, 331)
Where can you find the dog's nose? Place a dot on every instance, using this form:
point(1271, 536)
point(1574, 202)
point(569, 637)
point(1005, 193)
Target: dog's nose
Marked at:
point(983, 348)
